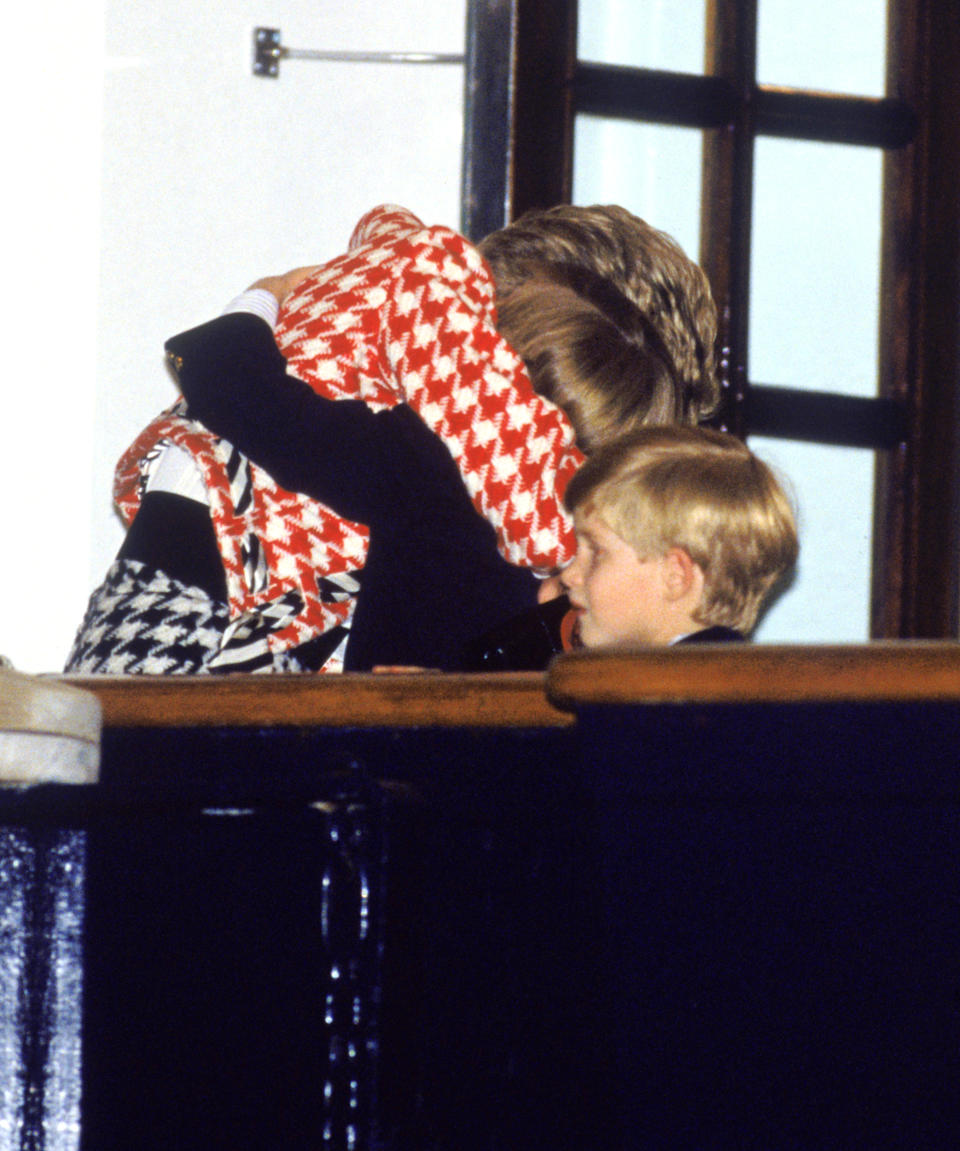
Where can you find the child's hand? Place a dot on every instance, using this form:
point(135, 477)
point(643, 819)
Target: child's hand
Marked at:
point(281, 286)
point(550, 588)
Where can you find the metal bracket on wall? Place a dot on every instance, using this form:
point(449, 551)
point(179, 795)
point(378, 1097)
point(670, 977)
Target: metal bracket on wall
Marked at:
point(268, 52)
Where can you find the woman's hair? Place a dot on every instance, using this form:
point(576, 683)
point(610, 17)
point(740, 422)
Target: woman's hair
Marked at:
point(593, 354)
point(621, 267)
point(705, 492)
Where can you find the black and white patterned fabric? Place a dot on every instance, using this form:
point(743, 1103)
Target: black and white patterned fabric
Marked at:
point(142, 621)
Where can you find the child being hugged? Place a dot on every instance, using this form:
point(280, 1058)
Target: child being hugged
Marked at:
point(589, 303)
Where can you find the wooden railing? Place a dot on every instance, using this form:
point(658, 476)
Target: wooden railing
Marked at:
point(638, 900)
point(894, 671)
point(408, 700)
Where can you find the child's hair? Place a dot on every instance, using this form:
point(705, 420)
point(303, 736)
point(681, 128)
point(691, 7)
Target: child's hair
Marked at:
point(632, 318)
point(705, 492)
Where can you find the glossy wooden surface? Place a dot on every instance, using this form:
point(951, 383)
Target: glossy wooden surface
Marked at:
point(894, 670)
point(889, 670)
point(391, 700)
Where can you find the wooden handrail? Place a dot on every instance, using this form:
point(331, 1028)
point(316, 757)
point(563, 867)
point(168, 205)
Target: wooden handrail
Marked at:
point(516, 699)
point(895, 670)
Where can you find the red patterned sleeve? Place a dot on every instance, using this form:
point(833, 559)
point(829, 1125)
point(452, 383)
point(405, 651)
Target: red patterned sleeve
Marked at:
point(515, 450)
point(386, 220)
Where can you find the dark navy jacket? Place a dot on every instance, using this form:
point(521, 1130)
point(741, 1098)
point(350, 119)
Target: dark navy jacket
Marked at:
point(433, 579)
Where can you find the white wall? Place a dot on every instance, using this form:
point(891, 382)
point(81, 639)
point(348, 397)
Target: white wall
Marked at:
point(50, 95)
point(156, 177)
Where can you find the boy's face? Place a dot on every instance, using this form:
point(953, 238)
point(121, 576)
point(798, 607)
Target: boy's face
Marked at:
point(621, 598)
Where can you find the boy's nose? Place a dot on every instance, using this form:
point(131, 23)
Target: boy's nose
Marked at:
point(570, 576)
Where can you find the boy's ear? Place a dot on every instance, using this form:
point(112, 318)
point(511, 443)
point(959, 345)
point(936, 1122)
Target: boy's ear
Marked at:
point(680, 574)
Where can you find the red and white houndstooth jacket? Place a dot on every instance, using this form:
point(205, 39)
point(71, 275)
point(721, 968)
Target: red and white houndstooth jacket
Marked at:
point(407, 315)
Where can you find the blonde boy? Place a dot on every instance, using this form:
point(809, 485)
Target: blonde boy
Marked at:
point(681, 535)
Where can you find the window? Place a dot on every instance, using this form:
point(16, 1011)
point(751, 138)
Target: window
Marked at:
point(791, 137)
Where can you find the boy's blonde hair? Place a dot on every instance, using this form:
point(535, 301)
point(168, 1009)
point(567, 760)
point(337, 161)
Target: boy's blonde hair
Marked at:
point(634, 297)
point(705, 492)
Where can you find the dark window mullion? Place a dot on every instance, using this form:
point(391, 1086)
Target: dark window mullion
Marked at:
point(833, 119)
point(825, 417)
point(916, 576)
point(653, 96)
point(517, 145)
point(542, 146)
point(617, 91)
point(487, 118)
point(727, 197)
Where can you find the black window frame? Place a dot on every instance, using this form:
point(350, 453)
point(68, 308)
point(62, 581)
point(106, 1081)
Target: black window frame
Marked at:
point(524, 87)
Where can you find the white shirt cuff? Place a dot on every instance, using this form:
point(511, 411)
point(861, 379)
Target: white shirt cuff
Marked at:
point(257, 301)
point(175, 470)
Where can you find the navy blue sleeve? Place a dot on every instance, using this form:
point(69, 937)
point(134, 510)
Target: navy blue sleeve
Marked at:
point(236, 383)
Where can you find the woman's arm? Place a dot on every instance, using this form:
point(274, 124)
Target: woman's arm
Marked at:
point(236, 383)
point(410, 315)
